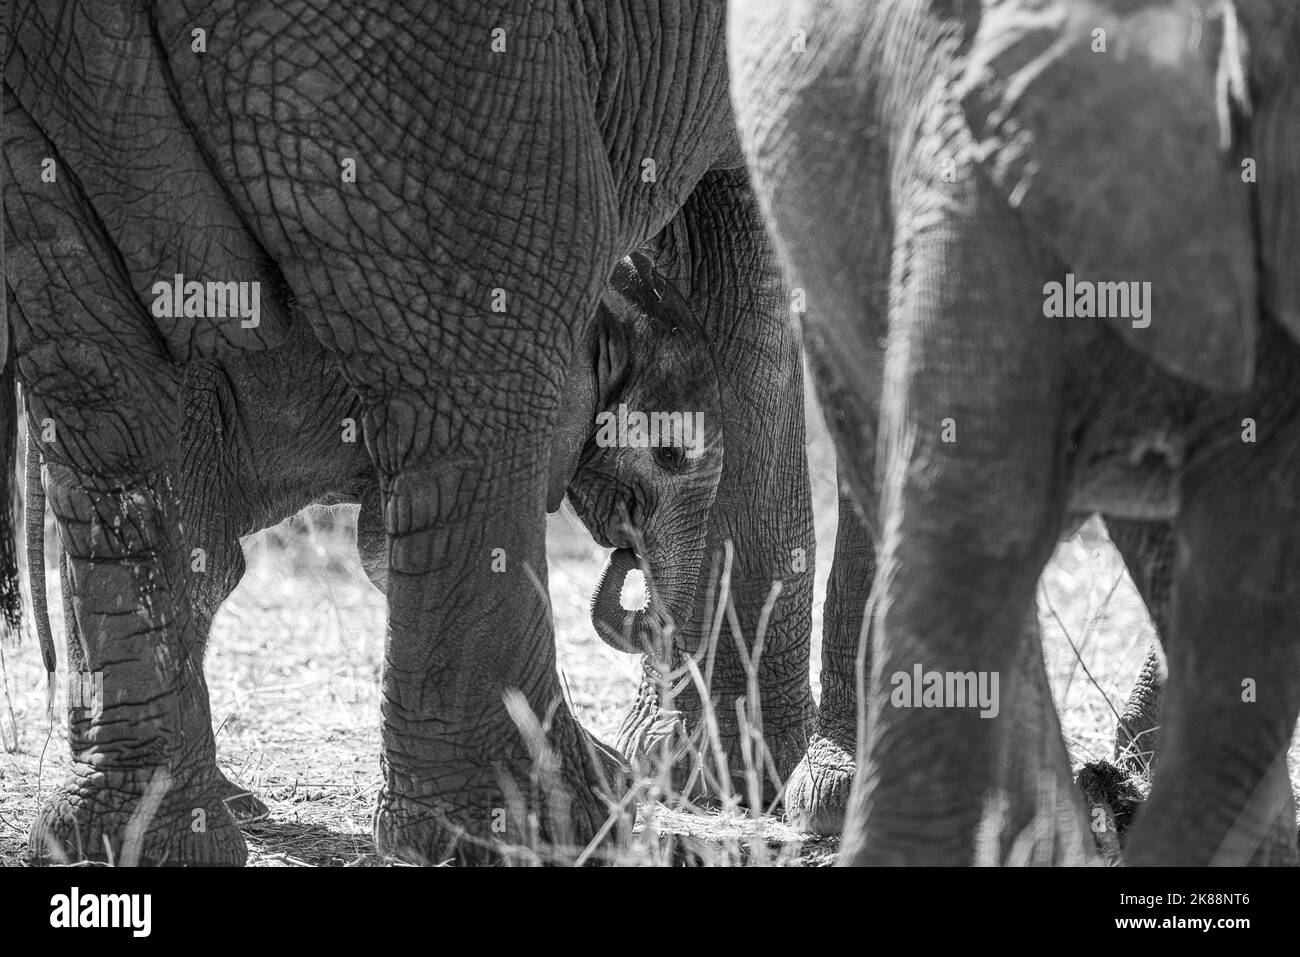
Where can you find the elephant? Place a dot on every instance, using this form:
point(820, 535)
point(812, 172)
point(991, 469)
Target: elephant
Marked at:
point(265, 435)
point(939, 178)
point(440, 192)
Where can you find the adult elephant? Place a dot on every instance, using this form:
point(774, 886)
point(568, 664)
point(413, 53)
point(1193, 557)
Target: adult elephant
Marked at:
point(937, 175)
point(266, 434)
point(443, 189)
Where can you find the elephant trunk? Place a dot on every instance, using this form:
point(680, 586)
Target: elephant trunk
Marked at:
point(671, 581)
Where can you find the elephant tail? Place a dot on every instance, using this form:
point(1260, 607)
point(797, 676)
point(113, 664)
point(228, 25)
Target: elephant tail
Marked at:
point(11, 601)
point(11, 504)
point(35, 540)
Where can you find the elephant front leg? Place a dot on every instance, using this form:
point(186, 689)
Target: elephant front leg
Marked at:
point(817, 793)
point(143, 786)
point(481, 756)
point(964, 761)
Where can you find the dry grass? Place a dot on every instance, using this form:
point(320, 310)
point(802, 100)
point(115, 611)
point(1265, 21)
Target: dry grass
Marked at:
point(293, 673)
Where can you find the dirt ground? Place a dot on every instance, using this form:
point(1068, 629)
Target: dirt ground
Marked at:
point(294, 663)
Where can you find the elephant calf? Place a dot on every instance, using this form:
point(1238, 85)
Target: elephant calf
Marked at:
point(266, 434)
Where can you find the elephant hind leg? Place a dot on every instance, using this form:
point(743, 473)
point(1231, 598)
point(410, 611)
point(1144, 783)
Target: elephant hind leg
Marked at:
point(1221, 794)
point(138, 709)
point(105, 392)
point(1148, 550)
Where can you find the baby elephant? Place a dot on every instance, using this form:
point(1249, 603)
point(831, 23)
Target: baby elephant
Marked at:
point(637, 447)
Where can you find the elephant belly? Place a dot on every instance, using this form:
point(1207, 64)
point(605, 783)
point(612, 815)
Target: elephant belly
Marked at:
point(1139, 479)
point(1131, 427)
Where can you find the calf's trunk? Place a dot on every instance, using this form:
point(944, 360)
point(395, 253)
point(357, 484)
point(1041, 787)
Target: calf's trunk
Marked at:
point(672, 575)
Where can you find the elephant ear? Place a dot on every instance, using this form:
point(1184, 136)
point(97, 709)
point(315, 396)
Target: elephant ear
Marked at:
point(1106, 124)
point(636, 280)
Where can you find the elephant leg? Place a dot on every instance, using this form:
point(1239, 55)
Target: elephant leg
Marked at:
point(817, 794)
point(211, 498)
point(1148, 552)
point(717, 253)
point(1148, 549)
point(1233, 692)
point(971, 504)
point(211, 516)
point(207, 592)
point(143, 783)
point(213, 574)
point(478, 742)
point(951, 784)
point(103, 399)
point(242, 803)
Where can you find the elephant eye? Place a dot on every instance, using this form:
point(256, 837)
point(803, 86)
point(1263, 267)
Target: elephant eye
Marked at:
point(671, 457)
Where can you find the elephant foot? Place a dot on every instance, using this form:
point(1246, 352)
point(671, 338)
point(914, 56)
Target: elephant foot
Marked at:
point(656, 746)
point(817, 792)
point(495, 815)
point(145, 818)
point(1115, 795)
point(1112, 796)
point(243, 804)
